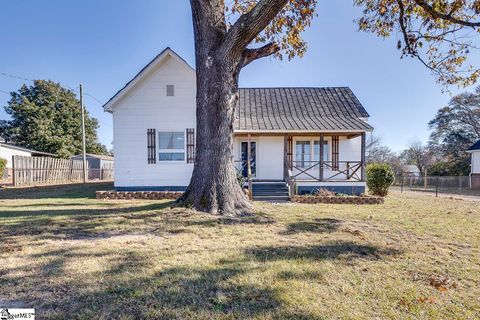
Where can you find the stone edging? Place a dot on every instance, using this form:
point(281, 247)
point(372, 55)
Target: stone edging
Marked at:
point(146, 195)
point(338, 200)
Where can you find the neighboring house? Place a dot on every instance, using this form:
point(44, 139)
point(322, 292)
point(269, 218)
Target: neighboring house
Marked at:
point(100, 167)
point(7, 151)
point(475, 167)
point(411, 170)
point(290, 132)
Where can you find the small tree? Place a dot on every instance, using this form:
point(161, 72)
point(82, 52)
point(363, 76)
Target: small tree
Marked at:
point(380, 177)
point(3, 165)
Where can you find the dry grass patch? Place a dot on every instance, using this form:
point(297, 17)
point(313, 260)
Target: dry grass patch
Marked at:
point(80, 258)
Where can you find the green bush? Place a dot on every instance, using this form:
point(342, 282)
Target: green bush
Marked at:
point(3, 165)
point(380, 176)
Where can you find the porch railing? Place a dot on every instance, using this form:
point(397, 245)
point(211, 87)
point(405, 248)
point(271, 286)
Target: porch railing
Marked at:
point(332, 171)
point(240, 166)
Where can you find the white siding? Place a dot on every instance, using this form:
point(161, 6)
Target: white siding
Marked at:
point(147, 106)
point(476, 162)
point(7, 153)
point(270, 156)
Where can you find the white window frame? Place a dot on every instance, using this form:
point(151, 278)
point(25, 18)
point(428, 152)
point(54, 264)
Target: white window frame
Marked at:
point(312, 148)
point(184, 150)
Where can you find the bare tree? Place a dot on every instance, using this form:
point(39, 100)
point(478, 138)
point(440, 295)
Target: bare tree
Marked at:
point(418, 154)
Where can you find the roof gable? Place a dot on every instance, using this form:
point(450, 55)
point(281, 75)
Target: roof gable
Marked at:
point(144, 73)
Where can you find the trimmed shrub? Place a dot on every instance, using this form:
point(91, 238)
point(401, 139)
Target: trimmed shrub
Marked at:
point(380, 177)
point(3, 165)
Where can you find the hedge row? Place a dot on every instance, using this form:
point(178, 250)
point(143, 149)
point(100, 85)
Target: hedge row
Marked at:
point(338, 200)
point(127, 195)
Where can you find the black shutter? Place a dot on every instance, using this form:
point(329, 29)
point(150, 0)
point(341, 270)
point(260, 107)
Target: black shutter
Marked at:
point(335, 153)
point(290, 152)
point(190, 145)
point(151, 146)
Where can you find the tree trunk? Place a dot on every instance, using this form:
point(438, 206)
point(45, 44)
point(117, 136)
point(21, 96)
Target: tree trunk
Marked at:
point(220, 54)
point(214, 186)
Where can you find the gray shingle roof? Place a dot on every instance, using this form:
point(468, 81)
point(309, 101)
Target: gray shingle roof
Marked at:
point(476, 146)
point(314, 109)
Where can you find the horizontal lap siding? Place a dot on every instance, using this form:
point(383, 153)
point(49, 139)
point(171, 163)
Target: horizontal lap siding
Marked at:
point(147, 106)
point(476, 162)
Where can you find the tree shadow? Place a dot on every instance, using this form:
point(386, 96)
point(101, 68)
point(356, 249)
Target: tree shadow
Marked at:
point(335, 250)
point(319, 225)
point(173, 293)
point(67, 191)
point(74, 224)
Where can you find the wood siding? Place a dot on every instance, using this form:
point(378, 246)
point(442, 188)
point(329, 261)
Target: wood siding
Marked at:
point(147, 106)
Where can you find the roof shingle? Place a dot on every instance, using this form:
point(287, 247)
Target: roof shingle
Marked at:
point(299, 109)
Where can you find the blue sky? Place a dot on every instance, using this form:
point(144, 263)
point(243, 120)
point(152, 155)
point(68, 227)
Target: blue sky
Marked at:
point(103, 44)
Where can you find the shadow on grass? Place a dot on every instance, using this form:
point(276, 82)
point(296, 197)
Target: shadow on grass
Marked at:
point(335, 250)
point(87, 224)
point(124, 289)
point(154, 218)
point(128, 287)
point(68, 191)
point(319, 225)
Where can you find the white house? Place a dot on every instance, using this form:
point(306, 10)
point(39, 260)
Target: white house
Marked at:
point(289, 133)
point(8, 150)
point(475, 167)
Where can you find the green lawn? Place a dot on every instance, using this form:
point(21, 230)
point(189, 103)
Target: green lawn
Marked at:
point(73, 257)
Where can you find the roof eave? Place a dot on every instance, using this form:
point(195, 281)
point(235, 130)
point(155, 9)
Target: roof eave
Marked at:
point(304, 131)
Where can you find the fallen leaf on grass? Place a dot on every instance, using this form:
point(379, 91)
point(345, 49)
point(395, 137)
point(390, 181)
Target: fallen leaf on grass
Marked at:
point(355, 232)
point(426, 299)
point(442, 283)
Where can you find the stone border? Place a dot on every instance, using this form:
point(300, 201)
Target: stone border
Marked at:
point(145, 195)
point(338, 200)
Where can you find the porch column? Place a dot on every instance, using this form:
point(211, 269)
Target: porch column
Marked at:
point(249, 167)
point(363, 157)
point(320, 167)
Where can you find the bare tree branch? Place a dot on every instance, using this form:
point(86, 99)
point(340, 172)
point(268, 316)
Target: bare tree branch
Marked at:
point(250, 24)
point(448, 17)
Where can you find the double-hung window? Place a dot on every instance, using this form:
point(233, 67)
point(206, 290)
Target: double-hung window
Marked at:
point(171, 146)
point(302, 154)
point(306, 156)
point(316, 150)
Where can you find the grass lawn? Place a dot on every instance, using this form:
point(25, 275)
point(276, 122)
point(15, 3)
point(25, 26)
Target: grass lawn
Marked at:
point(73, 257)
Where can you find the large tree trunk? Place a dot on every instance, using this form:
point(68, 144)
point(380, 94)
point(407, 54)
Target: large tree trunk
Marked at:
point(220, 54)
point(214, 186)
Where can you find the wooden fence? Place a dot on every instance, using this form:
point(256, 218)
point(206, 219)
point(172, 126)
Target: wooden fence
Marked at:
point(28, 171)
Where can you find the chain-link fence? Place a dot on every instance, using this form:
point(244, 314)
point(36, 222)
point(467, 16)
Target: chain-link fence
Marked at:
point(446, 185)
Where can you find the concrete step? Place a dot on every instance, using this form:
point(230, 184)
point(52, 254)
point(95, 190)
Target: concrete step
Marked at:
point(271, 198)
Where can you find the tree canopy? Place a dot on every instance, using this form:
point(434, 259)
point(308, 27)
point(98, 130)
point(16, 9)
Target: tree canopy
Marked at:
point(439, 33)
point(454, 129)
point(47, 117)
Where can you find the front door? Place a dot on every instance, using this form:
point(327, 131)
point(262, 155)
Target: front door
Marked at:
point(253, 158)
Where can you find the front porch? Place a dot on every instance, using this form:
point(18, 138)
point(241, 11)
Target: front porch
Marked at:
point(304, 161)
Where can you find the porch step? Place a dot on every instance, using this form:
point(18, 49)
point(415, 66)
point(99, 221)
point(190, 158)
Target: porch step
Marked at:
point(274, 191)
